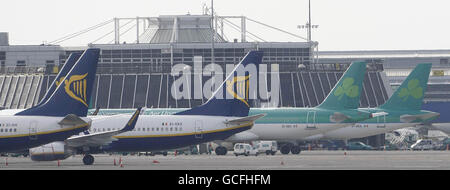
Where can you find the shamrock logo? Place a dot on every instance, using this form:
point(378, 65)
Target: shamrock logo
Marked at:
point(413, 90)
point(347, 88)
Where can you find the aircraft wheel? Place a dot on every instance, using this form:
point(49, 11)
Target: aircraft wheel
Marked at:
point(285, 149)
point(295, 150)
point(221, 150)
point(88, 159)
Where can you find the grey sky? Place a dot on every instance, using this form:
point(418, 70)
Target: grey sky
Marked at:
point(343, 24)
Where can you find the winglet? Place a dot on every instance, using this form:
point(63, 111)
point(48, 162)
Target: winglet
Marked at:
point(96, 111)
point(132, 122)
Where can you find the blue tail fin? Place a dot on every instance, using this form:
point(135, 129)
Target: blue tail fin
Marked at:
point(71, 60)
point(232, 97)
point(72, 96)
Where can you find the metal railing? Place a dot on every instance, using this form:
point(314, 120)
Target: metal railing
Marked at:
point(10, 70)
point(166, 68)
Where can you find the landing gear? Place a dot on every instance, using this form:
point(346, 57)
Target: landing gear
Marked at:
point(88, 159)
point(285, 149)
point(295, 150)
point(221, 150)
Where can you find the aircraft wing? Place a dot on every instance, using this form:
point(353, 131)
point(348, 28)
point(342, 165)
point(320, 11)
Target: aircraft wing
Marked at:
point(419, 117)
point(102, 138)
point(243, 120)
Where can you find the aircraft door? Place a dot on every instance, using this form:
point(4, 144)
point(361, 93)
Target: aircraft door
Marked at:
point(33, 130)
point(311, 120)
point(198, 129)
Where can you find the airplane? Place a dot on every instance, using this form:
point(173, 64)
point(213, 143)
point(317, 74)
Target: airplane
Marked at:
point(403, 110)
point(338, 110)
point(61, 116)
point(217, 119)
point(71, 60)
point(61, 150)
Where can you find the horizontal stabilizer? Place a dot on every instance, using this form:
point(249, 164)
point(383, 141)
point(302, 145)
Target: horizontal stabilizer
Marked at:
point(72, 119)
point(417, 118)
point(378, 114)
point(243, 120)
point(103, 138)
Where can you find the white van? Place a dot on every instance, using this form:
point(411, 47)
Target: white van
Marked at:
point(244, 149)
point(268, 147)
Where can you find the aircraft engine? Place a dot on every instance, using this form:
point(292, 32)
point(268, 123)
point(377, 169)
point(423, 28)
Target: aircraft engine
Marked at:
point(50, 152)
point(242, 137)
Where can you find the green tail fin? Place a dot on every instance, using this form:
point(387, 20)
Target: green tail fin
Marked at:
point(409, 95)
point(346, 92)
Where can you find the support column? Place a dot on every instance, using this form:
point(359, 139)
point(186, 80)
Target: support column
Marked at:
point(116, 31)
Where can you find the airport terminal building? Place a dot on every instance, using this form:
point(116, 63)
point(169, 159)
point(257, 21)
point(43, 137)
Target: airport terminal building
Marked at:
point(130, 75)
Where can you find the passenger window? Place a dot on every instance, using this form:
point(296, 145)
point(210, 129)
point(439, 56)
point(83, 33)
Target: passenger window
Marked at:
point(10, 130)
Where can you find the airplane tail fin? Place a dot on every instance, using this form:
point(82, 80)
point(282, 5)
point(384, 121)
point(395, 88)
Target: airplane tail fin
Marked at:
point(409, 95)
point(347, 91)
point(232, 97)
point(71, 60)
point(73, 95)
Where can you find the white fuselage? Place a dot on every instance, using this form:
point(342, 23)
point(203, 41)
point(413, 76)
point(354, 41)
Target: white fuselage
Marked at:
point(360, 130)
point(10, 112)
point(444, 127)
point(283, 131)
point(22, 132)
point(162, 132)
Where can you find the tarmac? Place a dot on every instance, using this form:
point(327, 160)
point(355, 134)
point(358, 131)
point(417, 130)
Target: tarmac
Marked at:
point(306, 160)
